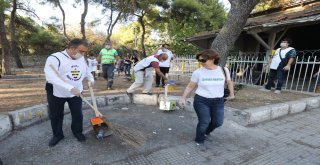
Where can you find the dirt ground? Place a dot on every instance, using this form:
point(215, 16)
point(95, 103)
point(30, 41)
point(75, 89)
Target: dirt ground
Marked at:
point(17, 94)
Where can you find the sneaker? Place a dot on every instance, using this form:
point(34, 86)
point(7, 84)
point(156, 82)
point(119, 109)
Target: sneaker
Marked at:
point(157, 85)
point(109, 88)
point(201, 147)
point(55, 140)
point(80, 137)
point(147, 93)
point(277, 91)
point(265, 90)
point(130, 95)
point(208, 138)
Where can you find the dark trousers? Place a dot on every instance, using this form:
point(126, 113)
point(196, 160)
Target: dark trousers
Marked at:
point(108, 73)
point(210, 112)
point(56, 109)
point(127, 68)
point(164, 70)
point(274, 74)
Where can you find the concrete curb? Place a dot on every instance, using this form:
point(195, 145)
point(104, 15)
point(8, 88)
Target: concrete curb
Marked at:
point(260, 114)
point(145, 99)
point(5, 125)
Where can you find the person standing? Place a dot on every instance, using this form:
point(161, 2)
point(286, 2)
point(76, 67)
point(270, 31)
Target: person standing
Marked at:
point(107, 57)
point(164, 65)
point(280, 63)
point(64, 73)
point(127, 65)
point(143, 73)
point(92, 63)
point(208, 100)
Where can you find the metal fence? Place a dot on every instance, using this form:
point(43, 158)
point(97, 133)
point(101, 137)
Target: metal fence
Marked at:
point(252, 69)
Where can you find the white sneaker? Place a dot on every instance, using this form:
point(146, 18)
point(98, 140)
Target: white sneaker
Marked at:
point(265, 90)
point(277, 91)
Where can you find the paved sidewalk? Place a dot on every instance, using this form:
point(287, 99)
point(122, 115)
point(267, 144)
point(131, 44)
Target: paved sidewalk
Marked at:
point(290, 140)
point(293, 140)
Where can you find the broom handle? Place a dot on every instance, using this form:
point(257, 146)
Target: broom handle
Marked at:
point(57, 73)
point(93, 99)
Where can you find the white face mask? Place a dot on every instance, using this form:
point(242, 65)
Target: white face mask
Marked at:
point(164, 49)
point(77, 56)
point(283, 45)
point(107, 46)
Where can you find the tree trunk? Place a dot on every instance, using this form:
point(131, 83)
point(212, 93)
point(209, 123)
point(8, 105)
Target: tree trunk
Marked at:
point(142, 35)
point(6, 56)
point(111, 26)
point(232, 28)
point(83, 17)
point(63, 20)
point(14, 47)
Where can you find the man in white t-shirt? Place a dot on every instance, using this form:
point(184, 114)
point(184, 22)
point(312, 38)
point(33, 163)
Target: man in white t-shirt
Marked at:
point(64, 73)
point(280, 63)
point(143, 73)
point(164, 65)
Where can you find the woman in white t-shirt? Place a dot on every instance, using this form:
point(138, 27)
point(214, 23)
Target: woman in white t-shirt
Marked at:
point(208, 100)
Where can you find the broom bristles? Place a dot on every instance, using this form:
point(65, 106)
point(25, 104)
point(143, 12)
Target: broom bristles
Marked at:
point(130, 136)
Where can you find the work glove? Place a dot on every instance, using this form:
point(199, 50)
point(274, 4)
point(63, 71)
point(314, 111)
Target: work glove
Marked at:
point(75, 91)
point(230, 97)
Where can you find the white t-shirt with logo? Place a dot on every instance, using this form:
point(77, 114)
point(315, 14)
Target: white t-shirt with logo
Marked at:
point(165, 63)
point(92, 63)
point(72, 71)
point(210, 82)
point(276, 58)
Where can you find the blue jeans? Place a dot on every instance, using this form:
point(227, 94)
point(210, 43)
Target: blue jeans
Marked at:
point(273, 75)
point(108, 73)
point(210, 112)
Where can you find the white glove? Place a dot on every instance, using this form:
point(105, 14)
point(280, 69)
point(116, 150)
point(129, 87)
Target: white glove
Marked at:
point(231, 98)
point(91, 83)
point(75, 91)
point(182, 102)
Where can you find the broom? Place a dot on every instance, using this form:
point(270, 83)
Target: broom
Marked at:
point(130, 136)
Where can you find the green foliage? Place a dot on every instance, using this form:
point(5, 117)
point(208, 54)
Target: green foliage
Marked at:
point(34, 39)
point(4, 4)
point(267, 4)
point(188, 17)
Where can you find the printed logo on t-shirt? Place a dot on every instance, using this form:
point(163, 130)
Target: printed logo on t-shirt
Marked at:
point(75, 73)
point(211, 79)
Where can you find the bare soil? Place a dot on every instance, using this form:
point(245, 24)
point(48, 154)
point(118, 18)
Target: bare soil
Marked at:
point(17, 94)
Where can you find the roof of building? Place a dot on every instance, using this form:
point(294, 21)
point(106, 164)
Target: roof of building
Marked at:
point(300, 12)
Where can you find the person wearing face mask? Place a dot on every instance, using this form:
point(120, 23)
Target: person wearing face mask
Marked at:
point(164, 65)
point(143, 73)
point(107, 57)
point(64, 73)
point(280, 64)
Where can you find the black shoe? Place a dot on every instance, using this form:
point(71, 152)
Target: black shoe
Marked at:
point(80, 137)
point(129, 94)
point(148, 93)
point(55, 140)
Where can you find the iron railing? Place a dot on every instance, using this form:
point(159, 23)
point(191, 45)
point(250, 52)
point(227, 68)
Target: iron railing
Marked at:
point(252, 69)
